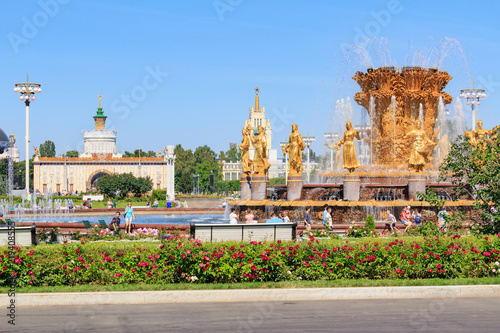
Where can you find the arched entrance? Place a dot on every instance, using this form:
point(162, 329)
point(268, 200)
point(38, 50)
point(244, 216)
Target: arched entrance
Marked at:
point(95, 176)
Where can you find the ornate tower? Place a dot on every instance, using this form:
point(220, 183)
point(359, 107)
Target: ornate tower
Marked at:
point(100, 118)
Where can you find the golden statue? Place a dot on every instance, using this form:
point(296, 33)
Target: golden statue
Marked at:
point(246, 162)
point(13, 137)
point(479, 136)
point(37, 152)
point(159, 152)
point(294, 147)
point(350, 161)
point(260, 163)
point(421, 148)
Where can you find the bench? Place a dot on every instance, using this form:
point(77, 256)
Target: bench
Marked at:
point(24, 236)
point(244, 232)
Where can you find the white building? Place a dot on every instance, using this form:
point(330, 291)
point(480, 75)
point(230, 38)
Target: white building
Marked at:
point(67, 174)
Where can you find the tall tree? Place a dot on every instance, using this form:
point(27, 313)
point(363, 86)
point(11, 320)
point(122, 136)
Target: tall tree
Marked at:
point(233, 154)
point(47, 149)
point(184, 169)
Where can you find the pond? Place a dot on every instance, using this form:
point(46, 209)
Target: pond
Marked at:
point(139, 219)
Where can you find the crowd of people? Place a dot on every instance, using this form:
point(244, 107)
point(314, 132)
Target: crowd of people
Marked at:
point(249, 217)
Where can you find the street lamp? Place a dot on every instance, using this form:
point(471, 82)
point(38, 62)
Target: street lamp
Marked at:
point(27, 91)
point(473, 97)
point(331, 137)
point(308, 140)
point(282, 145)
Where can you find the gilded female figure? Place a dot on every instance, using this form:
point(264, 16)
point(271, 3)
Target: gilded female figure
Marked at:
point(421, 147)
point(260, 163)
point(294, 147)
point(350, 161)
point(246, 162)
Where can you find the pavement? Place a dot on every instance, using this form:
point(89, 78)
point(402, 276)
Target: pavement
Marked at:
point(249, 295)
point(467, 314)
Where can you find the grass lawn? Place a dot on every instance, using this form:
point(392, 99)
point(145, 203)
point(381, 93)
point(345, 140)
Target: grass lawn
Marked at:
point(258, 285)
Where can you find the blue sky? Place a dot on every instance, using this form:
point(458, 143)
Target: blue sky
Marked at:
point(207, 56)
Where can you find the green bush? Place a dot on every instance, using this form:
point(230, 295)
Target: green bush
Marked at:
point(159, 194)
point(182, 260)
point(370, 223)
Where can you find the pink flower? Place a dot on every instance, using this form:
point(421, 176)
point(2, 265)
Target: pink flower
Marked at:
point(30, 272)
point(430, 270)
point(118, 275)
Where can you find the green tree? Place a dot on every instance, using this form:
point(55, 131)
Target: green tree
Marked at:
point(125, 183)
point(222, 156)
point(233, 154)
point(184, 169)
point(72, 153)
point(476, 173)
point(47, 149)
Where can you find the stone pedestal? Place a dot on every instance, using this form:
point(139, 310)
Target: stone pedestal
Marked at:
point(294, 187)
point(259, 187)
point(416, 183)
point(245, 187)
point(351, 187)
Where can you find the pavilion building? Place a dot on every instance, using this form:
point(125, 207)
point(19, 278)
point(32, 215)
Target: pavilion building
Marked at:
point(71, 174)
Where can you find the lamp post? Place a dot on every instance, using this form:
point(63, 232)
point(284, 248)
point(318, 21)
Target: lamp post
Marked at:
point(308, 140)
point(27, 91)
point(473, 97)
point(331, 137)
point(282, 145)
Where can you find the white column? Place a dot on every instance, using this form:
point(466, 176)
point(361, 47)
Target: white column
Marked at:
point(170, 158)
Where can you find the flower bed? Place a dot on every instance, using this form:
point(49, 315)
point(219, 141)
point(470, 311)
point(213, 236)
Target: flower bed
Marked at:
point(190, 261)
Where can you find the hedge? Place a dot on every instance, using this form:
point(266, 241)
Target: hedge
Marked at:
point(193, 261)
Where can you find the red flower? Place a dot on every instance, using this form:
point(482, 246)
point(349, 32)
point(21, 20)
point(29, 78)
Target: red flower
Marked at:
point(430, 270)
point(133, 270)
point(118, 275)
point(30, 272)
point(353, 268)
point(439, 266)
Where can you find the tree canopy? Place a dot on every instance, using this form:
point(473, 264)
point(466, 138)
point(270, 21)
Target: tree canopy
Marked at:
point(48, 149)
point(112, 185)
point(476, 174)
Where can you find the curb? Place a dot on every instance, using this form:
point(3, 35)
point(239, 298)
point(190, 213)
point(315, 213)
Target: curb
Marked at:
point(251, 295)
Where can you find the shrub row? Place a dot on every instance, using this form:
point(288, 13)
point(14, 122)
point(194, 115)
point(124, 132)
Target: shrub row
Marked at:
point(193, 261)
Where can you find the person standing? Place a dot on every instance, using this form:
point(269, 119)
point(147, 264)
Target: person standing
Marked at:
point(233, 217)
point(110, 203)
point(405, 218)
point(307, 219)
point(329, 218)
point(392, 221)
point(155, 203)
point(129, 216)
point(325, 214)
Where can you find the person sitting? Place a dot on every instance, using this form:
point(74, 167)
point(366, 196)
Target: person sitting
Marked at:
point(274, 219)
point(148, 204)
point(233, 217)
point(417, 218)
point(115, 224)
point(249, 217)
point(2, 220)
point(285, 217)
point(155, 203)
point(110, 203)
point(405, 218)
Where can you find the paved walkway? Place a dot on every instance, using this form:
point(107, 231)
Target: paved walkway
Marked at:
point(250, 295)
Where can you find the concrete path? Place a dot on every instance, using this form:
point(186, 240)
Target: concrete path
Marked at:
point(249, 295)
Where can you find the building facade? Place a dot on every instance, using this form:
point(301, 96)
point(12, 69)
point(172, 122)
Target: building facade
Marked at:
point(79, 174)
